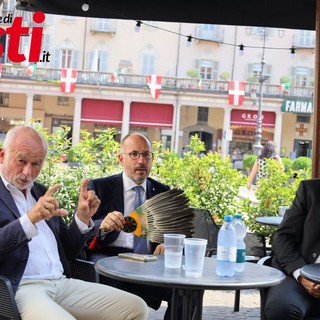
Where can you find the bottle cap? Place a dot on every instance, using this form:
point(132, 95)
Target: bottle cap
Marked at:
point(237, 216)
point(228, 218)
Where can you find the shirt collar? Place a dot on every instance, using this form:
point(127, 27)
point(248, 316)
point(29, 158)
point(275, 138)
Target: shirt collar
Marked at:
point(128, 184)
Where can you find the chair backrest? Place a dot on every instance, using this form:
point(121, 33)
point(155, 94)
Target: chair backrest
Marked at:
point(255, 246)
point(206, 228)
point(8, 307)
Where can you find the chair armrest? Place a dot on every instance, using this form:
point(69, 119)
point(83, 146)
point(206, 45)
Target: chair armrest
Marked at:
point(8, 307)
point(266, 261)
point(83, 270)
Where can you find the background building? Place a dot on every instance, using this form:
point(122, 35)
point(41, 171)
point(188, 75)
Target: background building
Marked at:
point(112, 89)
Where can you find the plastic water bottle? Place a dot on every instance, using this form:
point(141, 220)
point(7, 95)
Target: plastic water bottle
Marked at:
point(227, 249)
point(241, 231)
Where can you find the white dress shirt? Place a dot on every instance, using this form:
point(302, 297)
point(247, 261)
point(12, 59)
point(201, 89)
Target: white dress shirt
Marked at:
point(125, 240)
point(44, 260)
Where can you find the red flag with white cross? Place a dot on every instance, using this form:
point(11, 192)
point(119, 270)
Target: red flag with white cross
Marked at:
point(236, 92)
point(154, 84)
point(68, 80)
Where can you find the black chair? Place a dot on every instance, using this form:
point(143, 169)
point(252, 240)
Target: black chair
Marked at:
point(80, 269)
point(8, 307)
point(206, 228)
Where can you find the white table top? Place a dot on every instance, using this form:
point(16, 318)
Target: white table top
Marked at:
point(154, 273)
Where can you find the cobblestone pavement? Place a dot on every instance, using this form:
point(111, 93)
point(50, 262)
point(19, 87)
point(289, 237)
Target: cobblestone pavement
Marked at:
point(218, 305)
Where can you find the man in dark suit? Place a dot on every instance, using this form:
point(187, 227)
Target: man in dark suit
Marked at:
point(35, 242)
point(117, 201)
point(297, 243)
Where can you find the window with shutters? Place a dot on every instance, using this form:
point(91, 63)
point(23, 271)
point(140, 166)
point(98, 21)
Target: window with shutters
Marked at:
point(302, 76)
point(208, 69)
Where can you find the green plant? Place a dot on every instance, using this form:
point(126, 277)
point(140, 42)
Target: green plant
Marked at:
point(70, 156)
point(287, 164)
point(193, 73)
point(248, 161)
point(226, 76)
point(301, 163)
point(97, 156)
point(209, 182)
point(252, 78)
point(285, 79)
point(277, 189)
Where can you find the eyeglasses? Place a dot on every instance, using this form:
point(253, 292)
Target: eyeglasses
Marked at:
point(135, 155)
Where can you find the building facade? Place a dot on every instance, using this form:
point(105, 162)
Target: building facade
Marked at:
point(196, 63)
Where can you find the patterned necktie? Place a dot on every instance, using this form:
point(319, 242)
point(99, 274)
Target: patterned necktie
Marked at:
point(140, 245)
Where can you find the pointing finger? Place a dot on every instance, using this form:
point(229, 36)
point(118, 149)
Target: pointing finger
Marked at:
point(83, 187)
point(53, 189)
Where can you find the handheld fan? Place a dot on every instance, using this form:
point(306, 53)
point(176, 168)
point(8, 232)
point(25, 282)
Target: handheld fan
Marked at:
point(166, 212)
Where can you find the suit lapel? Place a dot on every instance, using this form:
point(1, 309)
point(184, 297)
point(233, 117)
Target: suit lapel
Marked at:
point(151, 191)
point(6, 198)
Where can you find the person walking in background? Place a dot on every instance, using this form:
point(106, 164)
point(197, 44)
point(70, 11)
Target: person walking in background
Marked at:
point(117, 194)
point(182, 152)
point(35, 242)
point(258, 169)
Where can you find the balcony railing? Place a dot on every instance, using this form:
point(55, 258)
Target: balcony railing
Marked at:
point(140, 81)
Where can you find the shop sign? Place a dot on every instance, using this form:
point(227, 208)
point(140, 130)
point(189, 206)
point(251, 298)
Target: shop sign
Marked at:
point(297, 106)
point(249, 118)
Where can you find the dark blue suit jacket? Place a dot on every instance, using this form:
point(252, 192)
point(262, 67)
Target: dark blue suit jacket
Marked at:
point(110, 192)
point(14, 249)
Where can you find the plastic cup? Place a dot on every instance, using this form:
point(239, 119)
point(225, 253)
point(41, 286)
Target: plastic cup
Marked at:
point(194, 251)
point(282, 210)
point(173, 244)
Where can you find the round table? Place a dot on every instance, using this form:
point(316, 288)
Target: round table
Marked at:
point(154, 273)
point(311, 272)
point(269, 221)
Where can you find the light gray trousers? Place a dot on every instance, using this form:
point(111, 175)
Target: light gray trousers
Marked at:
point(69, 299)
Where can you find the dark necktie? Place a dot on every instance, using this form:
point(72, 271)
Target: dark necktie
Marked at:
point(140, 245)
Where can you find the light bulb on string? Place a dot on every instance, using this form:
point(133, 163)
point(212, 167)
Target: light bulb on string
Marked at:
point(138, 26)
point(241, 50)
point(292, 52)
point(85, 6)
point(189, 41)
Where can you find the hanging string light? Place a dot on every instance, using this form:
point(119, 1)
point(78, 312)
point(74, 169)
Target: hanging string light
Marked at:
point(189, 40)
point(292, 52)
point(86, 5)
point(241, 50)
point(138, 26)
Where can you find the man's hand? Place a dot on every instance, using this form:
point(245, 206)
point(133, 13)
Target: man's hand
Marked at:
point(311, 287)
point(88, 203)
point(46, 207)
point(159, 249)
point(114, 221)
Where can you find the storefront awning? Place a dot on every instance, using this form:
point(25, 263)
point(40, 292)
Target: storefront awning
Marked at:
point(248, 118)
point(151, 115)
point(102, 111)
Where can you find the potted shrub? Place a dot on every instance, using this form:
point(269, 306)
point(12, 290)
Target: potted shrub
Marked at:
point(301, 163)
point(248, 162)
point(71, 158)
